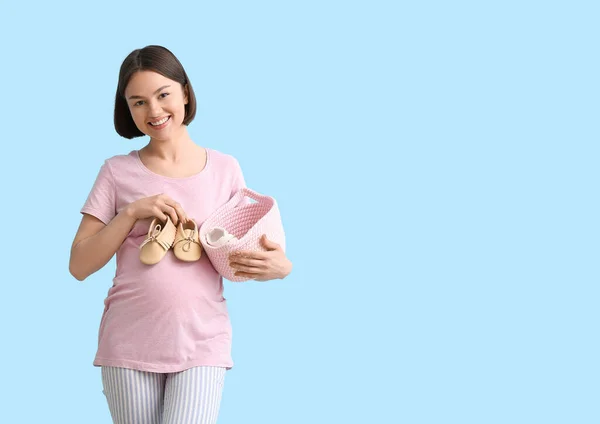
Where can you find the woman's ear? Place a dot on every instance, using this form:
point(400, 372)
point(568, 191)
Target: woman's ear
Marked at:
point(186, 92)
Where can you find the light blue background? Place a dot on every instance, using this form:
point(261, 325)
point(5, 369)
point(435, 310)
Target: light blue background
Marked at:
point(436, 167)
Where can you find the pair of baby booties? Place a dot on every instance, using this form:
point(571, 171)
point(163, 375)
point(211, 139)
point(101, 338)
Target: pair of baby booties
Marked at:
point(183, 239)
point(237, 225)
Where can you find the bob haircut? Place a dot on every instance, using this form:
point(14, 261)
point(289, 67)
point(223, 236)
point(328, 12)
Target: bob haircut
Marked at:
point(150, 58)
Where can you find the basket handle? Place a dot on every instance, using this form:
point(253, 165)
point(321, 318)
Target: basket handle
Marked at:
point(246, 192)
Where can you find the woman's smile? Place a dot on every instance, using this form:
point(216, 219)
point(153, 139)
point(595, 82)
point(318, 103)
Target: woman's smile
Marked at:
point(161, 123)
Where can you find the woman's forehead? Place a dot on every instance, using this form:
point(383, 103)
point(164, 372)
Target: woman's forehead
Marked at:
point(146, 82)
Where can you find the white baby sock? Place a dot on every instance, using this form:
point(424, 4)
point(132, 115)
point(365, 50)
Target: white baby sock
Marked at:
point(218, 237)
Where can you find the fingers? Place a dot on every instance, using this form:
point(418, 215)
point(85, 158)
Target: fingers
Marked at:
point(257, 255)
point(175, 210)
point(157, 212)
point(180, 212)
point(247, 275)
point(270, 245)
point(162, 211)
point(244, 264)
point(248, 269)
point(169, 210)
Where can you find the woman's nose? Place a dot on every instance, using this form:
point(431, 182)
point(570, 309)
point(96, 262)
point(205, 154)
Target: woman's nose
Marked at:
point(154, 109)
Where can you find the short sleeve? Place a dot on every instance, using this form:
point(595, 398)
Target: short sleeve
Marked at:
point(238, 182)
point(102, 202)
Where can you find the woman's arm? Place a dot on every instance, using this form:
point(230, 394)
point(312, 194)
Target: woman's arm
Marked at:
point(262, 266)
point(95, 243)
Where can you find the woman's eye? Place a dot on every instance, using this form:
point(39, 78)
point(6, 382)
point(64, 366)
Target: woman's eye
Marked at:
point(139, 103)
point(163, 95)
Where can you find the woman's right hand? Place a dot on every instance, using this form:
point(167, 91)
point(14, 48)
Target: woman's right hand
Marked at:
point(158, 206)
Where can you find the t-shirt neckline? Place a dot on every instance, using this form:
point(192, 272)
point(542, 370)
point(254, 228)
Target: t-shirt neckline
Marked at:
point(136, 154)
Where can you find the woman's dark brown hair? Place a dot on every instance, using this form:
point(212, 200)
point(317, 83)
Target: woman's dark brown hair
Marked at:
point(150, 58)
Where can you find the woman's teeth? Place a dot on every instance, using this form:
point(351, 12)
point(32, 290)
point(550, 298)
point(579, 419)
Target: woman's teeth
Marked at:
point(162, 121)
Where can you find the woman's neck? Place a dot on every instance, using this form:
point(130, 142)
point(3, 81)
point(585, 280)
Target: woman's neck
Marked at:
point(173, 149)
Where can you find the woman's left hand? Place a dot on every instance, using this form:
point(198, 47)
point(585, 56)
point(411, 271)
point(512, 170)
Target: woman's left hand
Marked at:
point(261, 266)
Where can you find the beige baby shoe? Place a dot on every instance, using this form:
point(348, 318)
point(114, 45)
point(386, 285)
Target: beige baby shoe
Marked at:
point(160, 239)
point(187, 245)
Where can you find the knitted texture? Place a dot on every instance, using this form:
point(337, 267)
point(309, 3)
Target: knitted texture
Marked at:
point(246, 221)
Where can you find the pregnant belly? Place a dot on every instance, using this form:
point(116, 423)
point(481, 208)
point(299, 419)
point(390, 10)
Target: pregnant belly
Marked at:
point(162, 321)
point(168, 286)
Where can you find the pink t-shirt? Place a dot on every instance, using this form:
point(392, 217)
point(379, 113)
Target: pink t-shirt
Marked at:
point(170, 316)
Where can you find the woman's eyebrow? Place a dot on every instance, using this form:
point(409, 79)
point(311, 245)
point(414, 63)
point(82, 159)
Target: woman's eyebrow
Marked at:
point(140, 97)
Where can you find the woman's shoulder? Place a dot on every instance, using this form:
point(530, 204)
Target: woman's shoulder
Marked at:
point(121, 164)
point(123, 159)
point(222, 159)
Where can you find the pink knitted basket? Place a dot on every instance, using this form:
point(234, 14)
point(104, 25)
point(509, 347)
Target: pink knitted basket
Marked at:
point(247, 222)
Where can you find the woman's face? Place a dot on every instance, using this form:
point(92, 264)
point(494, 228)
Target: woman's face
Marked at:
point(157, 104)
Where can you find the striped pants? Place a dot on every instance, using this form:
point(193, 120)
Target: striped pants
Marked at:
point(140, 397)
